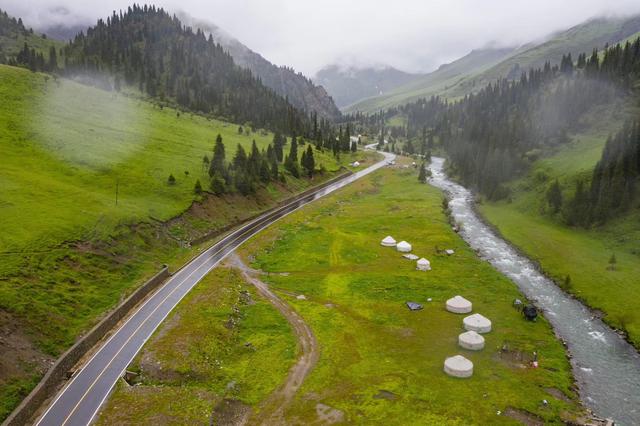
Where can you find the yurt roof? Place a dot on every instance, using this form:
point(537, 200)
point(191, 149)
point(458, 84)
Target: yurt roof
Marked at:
point(471, 337)
point(459, 363)
point(478, 322)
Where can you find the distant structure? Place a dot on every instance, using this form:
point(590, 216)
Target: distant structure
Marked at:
point(477, 323)
point(414, 306)
point(458, 305)
point(423, 265)
point(388, 241)
point(471, 340)
point(458, 366)
point(403, 247)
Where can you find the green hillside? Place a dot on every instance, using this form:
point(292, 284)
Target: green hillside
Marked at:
point(13, 36)
point(581, 254)
point(436, 82)
point(68, 252)
point(474, 72)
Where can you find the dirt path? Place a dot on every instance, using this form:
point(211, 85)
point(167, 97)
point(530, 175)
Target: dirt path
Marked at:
point(271, 411)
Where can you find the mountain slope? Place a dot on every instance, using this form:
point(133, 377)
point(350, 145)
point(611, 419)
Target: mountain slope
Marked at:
point(14, 35)
point(435, 82)
point(487, 67)
point(285, 81)
point(595, 33)
point(350, 85)
point(148, 50)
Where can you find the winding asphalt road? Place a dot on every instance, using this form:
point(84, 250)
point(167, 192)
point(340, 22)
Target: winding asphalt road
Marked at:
point(78, 402)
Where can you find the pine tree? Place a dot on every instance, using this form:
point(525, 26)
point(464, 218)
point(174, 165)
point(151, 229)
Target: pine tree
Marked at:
point(554, 196)
point(217, 164)
point(612, 262)
point(198, 187)
point(308, 161)
point(422, 175)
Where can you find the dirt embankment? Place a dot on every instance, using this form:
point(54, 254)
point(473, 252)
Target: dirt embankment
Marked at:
point(272, 410)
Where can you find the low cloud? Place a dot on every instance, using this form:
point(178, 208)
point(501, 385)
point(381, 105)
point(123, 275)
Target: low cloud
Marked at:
point(413, 35)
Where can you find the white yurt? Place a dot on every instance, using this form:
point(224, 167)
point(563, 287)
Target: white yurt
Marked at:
point(423, 265)
point(458, 366)
point(477, 323)
point(471, 340)
point(459, 305)
point(388, 241)
point(404, 247)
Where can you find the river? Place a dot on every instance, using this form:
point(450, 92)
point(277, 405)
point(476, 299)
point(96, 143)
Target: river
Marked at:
point(606, 367)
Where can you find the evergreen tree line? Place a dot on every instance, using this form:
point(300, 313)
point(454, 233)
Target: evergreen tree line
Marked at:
point(27, 57)
point(245, 172)
point(493, 135)
point(147, 48)
point(613, 183)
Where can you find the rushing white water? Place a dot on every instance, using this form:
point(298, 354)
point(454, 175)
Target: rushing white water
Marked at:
point(606, 367)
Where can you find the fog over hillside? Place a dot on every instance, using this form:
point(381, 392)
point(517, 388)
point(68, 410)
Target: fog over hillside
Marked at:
point(411, 35)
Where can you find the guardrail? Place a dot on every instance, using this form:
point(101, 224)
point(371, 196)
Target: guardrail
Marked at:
point(58, 372)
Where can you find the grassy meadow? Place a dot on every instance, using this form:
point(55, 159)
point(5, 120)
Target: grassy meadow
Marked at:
point(68, 253)
point(197, 359)
point(582, 254)
point(379, 362)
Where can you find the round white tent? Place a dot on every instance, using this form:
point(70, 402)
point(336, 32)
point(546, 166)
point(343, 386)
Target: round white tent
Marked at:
point(404, 247)
point(423, 265)
point(471, 340)
point(458, 366)
point(388, 242)
point(477, 323)
point(459, 305)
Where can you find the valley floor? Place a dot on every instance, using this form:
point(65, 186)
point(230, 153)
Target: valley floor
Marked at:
point(225, 350)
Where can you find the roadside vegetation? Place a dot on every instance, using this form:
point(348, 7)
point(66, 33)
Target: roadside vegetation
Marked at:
point(93, 184)
point(221, 351)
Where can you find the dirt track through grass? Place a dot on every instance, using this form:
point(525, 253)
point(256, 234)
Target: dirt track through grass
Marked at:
point(272, 409)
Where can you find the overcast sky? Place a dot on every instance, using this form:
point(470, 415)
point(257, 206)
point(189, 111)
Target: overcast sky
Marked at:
point(413, 35)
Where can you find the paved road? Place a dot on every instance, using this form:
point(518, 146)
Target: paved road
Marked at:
point(78, 402)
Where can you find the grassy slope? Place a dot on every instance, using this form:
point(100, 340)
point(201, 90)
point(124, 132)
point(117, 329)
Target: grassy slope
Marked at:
point(12, 43)
point(582, 254)
point(67, 252)
point(582, 38)
point(195, 360)
point(369, 341)
point(433, 83)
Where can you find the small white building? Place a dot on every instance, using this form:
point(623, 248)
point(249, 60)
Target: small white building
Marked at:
point(458, 305)
point(449, 252)
point(388, 241)
point(458, 366)
point(477, 323)
point(471, 340)
point(403, 247)
point(423, 265)
point(355, 164)
point(410, 256)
